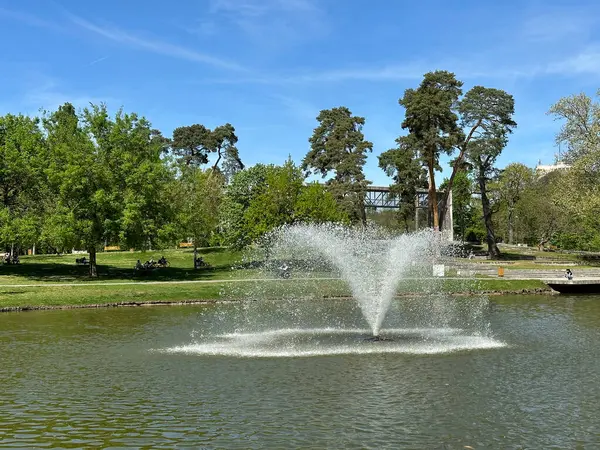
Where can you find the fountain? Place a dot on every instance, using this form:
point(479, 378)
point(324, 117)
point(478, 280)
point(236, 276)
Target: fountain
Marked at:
point(369, 260)
point(371, 263)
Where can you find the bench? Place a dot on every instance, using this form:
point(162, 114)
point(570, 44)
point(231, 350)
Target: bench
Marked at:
point(186, 244)
point(112, 248)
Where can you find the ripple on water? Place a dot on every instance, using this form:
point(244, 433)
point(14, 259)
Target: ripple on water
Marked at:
point(292, 342)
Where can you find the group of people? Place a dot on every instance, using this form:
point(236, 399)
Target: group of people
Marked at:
point(151, 264)
point(8, 259)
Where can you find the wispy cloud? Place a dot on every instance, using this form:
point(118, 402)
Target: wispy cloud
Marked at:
point(271, 22)
point(29, 19)
point(48, 93)
point(559, 25)
point(298, 108)
point(155, 46)
point(96, 61)
point(585, 62)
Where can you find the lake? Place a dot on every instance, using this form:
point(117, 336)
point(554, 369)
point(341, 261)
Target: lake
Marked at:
point(512, 372)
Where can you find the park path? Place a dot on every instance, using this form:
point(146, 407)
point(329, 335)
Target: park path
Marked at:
point(534, 275)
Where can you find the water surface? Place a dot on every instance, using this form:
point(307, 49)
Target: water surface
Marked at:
point(167, 377)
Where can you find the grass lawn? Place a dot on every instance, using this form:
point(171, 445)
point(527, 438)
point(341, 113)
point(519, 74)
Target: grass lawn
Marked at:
point(118, 266)
point(58, 281)
point(61, 295)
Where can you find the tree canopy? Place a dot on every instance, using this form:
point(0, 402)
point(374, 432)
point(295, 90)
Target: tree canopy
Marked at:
point(338, 146)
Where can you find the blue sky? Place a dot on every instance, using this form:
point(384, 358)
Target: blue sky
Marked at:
point(269, 66)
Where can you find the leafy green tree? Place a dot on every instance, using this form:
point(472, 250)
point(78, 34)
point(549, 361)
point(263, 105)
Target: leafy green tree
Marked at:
point(543, 218)
point(432, 123)
point(315, 204)
point(513, 181)
point(462, 202)
point(243, 188)
point(84, 185)
point(579, 195)
point(199, 197)
point(580, 130)
point(338, 146)
point(275, 204)
point(403, 165)
point(22, 157)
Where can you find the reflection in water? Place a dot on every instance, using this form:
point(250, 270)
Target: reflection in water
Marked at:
point(90, 378)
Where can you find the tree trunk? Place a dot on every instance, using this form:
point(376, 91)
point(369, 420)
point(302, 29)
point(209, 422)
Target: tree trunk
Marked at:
point(433, 204)
point(195, 253)
point(493, 250)
point(510, 226)
point(33, 251)
point(93, 268)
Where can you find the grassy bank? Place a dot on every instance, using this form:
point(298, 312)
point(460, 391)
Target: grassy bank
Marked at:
point(47, 296)
point(45, 281)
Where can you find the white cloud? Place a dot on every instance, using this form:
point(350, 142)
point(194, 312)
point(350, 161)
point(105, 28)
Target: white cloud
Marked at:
point(300, 109)
point(559, 26)
point(43, 92)
point(270, 22)
point(30, 19)
point(585, 62)
point(155, 46)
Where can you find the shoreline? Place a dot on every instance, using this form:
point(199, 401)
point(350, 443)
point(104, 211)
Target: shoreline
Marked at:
point(149, 303)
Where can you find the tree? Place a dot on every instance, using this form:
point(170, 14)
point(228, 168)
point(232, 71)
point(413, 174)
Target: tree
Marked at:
point(481, 110)
point(432, 123)
point(315, 204)
point(581, 128)
point(462, 202)
point(513, 181)
point(338, 145)
point(543, 217)
point(244, 186)
point(275, 204)
point(579, 195)
point(262, 198)
point(222, 141)
point(22, 157)
point(108, 178)
point(199, 198)
point(402, 164)
point(84, 186)
point(482, 154)
point(195, 143)
point(189, 144)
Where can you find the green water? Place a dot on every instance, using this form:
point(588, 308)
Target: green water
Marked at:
point(161, 378)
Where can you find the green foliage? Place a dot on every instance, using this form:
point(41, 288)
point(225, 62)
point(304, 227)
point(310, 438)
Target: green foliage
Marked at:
point(197, 198)
point(405, 168)
point(432, 123)
point(316, 204)
point(580, 130)
point(339, 146)
point(262, 198)
point(193, 145)
point(463, 208)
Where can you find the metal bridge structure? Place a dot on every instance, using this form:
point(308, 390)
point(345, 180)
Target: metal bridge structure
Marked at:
point(380, 197)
